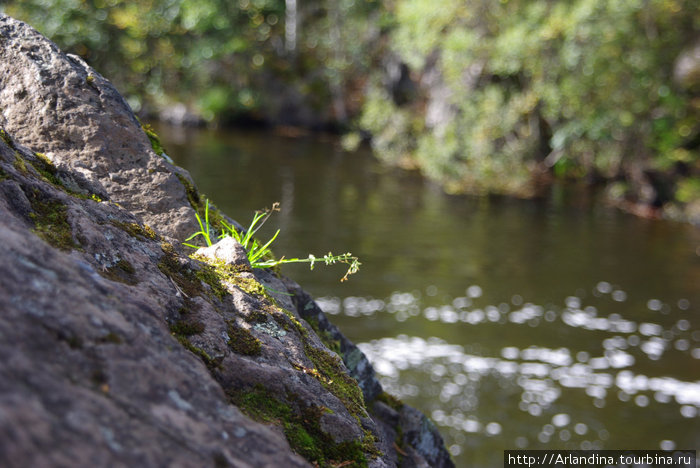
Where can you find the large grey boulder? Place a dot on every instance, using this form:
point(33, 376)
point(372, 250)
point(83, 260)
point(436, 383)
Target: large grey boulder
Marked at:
point(117, 348)
point(57, 105)
point(91, 374)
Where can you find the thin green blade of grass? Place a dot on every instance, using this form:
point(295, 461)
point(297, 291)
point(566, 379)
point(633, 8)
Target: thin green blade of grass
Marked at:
point(252, 229)
point(201, 232)
point(257, 251)
point(264, 250)
point(206, 217)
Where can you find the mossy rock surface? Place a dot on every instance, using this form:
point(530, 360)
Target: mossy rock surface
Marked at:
point(301, 427)
point(108, 319)
point(51, 222)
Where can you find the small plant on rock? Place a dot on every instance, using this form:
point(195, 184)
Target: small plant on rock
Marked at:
point(259, 255)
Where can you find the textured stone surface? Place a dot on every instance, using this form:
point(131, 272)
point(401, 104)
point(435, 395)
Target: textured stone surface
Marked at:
point(90, 374)
point(117, 348)
point(229, 251)
point(55, 104)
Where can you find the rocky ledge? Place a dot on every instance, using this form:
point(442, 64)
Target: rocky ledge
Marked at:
point(119, 349)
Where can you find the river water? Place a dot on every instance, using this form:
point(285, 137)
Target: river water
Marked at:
point(557, 323)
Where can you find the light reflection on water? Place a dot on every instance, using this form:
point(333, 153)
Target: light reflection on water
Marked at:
point(462, 382)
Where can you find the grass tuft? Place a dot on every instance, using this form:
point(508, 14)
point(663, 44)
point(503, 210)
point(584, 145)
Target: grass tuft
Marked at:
point(259, 254)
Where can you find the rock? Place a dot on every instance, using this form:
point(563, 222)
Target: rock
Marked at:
point(117, 348)
point(229, 251)
point(90, 372)
point(57, 105)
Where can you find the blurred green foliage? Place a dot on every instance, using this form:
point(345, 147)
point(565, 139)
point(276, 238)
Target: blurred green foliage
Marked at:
point(511, 89)
point(482, 95)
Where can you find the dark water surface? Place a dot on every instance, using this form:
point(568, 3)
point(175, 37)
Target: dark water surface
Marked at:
point(513, 324)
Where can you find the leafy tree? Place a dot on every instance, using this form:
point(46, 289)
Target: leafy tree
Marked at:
point(509, 90)
point(482, 95)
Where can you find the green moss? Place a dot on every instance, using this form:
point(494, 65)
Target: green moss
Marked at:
point(329, 371)
point(188, 280)
point(153, 138)
point(369, 444)
point(242, 340)
point(192, 194)
point(126, 267)
point(287, 320)
point(302, 442)
point(122, 271)
point(199, 352)
point(325, 335)
point(294, 321)
point(328, 368)
point(313, 322)
point(45, 167)
point(19, 164)
point(136, 230)
point(257, 316)
point(308, 440)
point(3, 174)
point(94, 197)
point(184, 322)
point(6, 138)
point(250, 286)
point(216, 273)
point(261, 405)
point(336, 380)
point(302, 429)
point(390, 400)
point(283, 321)
point(183, 277)
point(186, 328)
point(90, 80)
point(51, 222)
point(210, 276)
